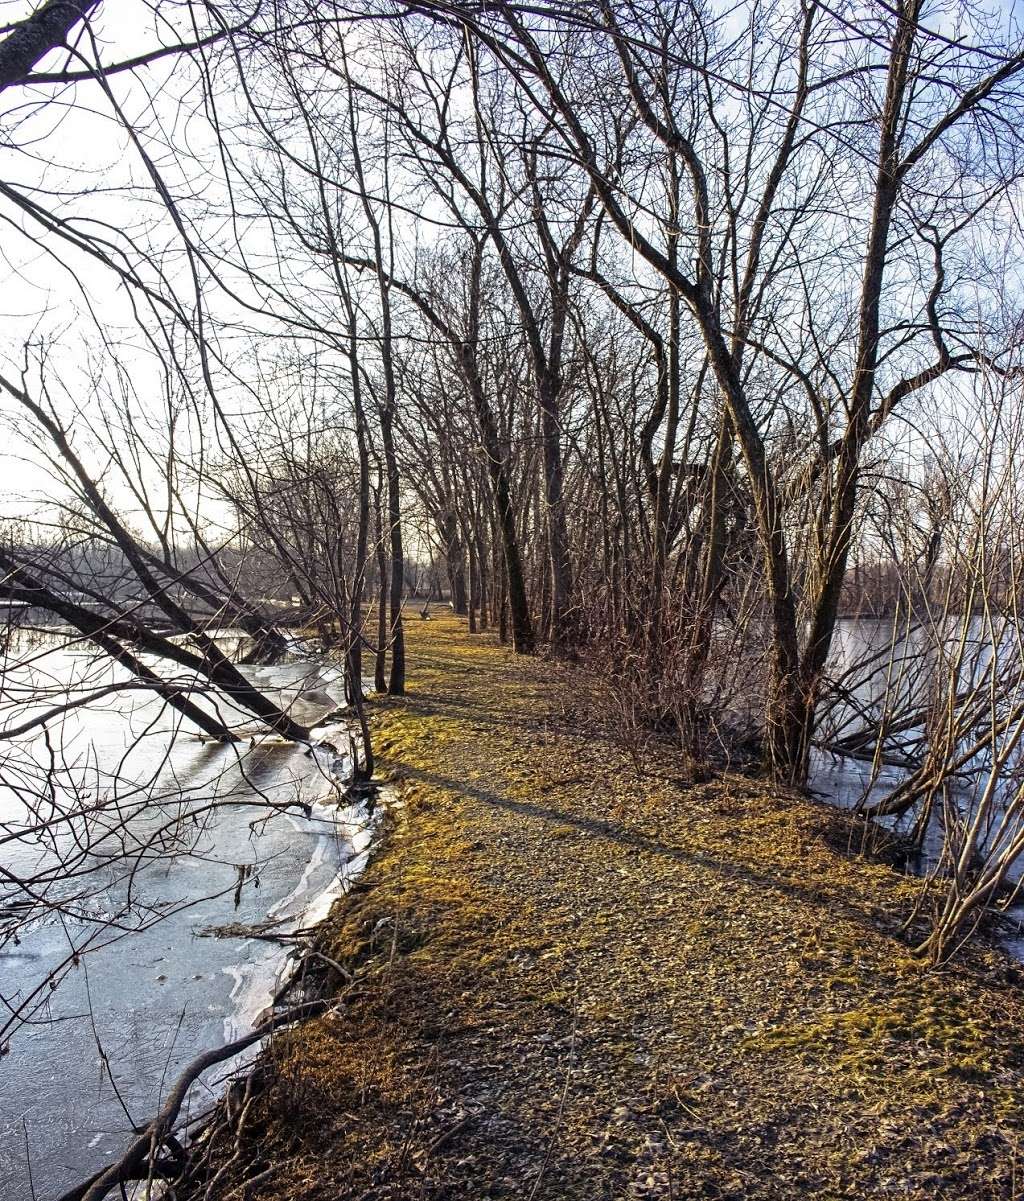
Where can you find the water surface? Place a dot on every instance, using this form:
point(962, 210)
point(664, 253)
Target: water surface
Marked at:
point(212, 839)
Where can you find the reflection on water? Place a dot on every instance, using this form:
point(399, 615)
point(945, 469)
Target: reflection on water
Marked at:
point(209, 843)
point(890, 677)
point(863, 653)
point(886, 677)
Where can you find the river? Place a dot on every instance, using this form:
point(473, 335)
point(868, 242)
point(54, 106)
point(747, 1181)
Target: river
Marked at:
point(903, 674)
point(157, 934)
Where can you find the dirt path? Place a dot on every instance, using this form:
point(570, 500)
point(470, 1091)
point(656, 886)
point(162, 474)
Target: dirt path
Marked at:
point(574, 983)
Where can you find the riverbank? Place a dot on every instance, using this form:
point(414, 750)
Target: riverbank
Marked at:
point(568, 980)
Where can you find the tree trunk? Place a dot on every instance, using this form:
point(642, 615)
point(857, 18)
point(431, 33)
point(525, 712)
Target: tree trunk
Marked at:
point(474, 587)
point(554, 502)
point(396, 678)
point(22, 585)
point(456, 563)
point(380, 658)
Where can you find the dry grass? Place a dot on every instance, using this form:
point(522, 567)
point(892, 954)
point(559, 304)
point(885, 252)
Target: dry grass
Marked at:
point(580, 983)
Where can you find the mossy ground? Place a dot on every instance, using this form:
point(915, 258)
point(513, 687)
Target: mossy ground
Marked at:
point(574, 982)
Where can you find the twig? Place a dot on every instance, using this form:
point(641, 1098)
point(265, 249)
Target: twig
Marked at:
point(558, 1117)
point(146, 1145)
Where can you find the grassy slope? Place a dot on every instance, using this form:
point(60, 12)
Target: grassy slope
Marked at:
point(574, 983)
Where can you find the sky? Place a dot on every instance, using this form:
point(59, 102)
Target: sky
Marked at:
point(69, 143)
point(64, 146)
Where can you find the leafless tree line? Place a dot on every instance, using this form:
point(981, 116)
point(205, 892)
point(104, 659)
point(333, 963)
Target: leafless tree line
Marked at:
point(655, 327)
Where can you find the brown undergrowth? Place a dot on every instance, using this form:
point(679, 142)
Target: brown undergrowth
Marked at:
point(571, 981)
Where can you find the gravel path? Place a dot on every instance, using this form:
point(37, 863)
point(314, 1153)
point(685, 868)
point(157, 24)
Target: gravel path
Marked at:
point(574, 981)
